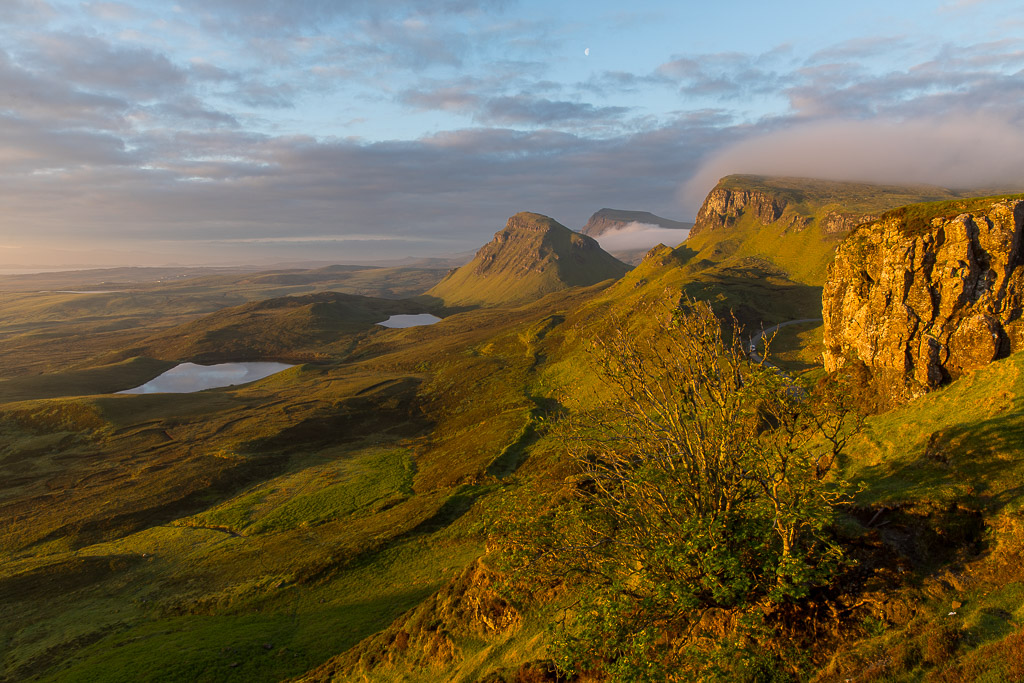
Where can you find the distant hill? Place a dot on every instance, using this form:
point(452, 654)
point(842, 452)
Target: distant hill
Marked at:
point(606, 220)
point(531, 256)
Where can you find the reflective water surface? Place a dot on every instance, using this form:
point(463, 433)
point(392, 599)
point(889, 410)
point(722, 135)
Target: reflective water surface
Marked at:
point(188, 377)
point(410, 320)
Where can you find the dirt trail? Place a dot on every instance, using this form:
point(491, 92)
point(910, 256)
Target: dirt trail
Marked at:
point(755, 341)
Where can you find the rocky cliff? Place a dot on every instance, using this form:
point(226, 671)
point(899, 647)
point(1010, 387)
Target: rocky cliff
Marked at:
point(928, 292)
point(723, 206)
point(793, 223)
point(531, 256)
point(606, 220)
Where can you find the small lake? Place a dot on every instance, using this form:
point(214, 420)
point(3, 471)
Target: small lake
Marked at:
point(410, 320)
point(189, 377)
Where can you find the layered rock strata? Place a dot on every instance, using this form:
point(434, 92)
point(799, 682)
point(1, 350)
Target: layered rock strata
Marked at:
point(723, 207)
point(920, 301)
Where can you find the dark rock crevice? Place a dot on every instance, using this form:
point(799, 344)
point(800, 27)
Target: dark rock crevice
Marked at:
point(922, 307)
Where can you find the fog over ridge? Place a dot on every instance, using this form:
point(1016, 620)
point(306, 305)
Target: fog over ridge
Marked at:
point(958, 152)
point(634, 236)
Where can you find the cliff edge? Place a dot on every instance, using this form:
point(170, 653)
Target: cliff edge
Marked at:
point(793, 223)
point(928, 292)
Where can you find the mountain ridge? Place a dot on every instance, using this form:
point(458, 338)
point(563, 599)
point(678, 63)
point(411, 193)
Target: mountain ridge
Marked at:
point(606, 220)
point(531, 256)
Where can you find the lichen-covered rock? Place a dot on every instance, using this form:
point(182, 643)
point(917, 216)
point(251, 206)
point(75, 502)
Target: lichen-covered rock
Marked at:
point(836, 223)
point(920, 301)
point(722, 207)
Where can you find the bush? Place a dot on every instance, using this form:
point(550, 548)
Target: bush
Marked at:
point(702, 501)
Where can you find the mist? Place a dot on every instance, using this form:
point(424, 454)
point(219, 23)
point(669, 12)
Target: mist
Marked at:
point(635, 236)
point(957, 152)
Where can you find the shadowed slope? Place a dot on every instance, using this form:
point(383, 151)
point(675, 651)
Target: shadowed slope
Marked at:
point(532, 256)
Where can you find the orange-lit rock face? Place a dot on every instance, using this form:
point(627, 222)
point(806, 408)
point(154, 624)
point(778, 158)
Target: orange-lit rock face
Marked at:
point(920, 304)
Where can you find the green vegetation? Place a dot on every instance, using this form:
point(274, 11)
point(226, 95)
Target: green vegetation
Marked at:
point(917, 218)
point(532, 256)
point(701, 487)
point(800, 243)
point(342, 520)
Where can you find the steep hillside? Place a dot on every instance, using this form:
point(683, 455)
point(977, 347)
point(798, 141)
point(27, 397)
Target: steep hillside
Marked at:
point(532, 256)
point(793, 223)
point(606, 220)
point(928, 292)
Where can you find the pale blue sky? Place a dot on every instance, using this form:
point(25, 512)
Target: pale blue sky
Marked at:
point(255, 130)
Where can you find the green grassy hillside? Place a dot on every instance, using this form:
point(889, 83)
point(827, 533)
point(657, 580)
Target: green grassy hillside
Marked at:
point(341, 520)
point(532, 256)
point(817, 214)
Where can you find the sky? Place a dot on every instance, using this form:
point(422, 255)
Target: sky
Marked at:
point(151, 132)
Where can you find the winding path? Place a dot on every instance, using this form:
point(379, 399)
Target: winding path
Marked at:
point(754, 341)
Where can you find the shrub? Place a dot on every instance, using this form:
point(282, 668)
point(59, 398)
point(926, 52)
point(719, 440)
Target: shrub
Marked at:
point(702, 501)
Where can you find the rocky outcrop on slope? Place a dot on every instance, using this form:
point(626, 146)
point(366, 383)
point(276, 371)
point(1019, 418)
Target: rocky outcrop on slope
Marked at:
point(836, 223)
point(926, 293)
point(607, 220)
point(723, 206)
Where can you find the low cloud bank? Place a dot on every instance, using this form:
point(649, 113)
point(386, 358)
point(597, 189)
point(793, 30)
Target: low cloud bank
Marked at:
point(966, 151)
point(634, 236)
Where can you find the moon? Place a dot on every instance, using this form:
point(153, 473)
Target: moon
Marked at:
point(586, 52)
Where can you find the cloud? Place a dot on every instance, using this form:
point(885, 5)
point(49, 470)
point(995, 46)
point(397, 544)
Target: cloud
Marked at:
point(527, 110)
point(95, 64)
point(725, 75)
point(479, 100)
point(25, 11)
point(635, 236)
point(957, 151)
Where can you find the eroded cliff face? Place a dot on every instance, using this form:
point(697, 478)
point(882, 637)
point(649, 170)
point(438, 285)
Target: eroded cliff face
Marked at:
point(920, 301)
point(723, 206)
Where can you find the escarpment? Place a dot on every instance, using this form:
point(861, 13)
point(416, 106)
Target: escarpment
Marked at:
point(927, 292)
point(723, 206)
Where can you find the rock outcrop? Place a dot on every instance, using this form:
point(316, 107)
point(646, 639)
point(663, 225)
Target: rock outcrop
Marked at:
point(723, 206)
point(926, 293)
point(607, 220)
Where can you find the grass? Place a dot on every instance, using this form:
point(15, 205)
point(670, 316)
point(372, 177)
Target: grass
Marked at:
point(534, 255)
point(175, 537)
point(306, 510)
point(917, 218)
point(962, 442)
point(301, 627)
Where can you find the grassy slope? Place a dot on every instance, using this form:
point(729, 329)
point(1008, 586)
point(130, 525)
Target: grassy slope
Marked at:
point(533, 256)
point(932, 471)
point(249, 533)
point(803, 254)
point(940, 486)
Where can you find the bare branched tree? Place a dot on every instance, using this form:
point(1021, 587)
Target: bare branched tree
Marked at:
point(704, 481)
